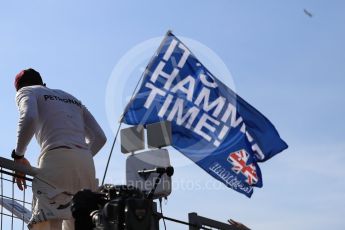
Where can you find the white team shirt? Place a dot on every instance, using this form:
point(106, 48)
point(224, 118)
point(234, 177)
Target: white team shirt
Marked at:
point(56, 118)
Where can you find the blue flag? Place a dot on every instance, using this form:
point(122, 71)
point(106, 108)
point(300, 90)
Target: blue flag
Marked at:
point(211, 124)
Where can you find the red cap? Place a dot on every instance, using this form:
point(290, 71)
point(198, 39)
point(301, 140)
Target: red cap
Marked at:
point(27, 77)
point(18, 78)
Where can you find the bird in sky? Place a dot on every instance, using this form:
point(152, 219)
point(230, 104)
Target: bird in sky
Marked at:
point(308, 13)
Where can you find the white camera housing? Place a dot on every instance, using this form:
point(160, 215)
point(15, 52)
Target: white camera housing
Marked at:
point(149, 160)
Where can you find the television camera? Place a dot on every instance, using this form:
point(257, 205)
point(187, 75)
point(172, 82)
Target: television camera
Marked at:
point(130, 206)
point(117, 207)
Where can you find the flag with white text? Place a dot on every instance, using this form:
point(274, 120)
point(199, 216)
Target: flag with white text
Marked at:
point(211, 124)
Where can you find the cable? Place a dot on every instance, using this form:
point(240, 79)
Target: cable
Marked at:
point(111, 152)
point(160, 204)
point(130, 102)
point(119, 127)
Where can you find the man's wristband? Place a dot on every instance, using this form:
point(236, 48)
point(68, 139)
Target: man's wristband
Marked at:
point(15, 156)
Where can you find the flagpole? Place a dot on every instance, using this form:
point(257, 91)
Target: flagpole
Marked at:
point(169, 32)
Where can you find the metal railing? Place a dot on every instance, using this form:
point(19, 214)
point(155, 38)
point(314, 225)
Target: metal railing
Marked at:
point(201, 222)
point(15, 205)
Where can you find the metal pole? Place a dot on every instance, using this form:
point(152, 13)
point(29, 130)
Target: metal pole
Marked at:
point(193, 219)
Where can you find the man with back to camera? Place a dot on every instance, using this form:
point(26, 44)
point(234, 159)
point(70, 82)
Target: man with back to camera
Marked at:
point(69, 136)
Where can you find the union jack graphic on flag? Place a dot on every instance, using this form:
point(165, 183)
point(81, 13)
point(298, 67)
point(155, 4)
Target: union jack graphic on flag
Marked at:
point(239, 160)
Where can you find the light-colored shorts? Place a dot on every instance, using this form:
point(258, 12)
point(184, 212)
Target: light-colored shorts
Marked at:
point(63, 172)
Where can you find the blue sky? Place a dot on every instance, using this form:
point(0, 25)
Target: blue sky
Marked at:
point(289, 66)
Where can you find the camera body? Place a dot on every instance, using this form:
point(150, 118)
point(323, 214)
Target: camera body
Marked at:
point(149, 174)
point(113, 208)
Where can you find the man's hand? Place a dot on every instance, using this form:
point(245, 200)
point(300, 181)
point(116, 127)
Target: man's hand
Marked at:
point(238, 225)
point(21, 183)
